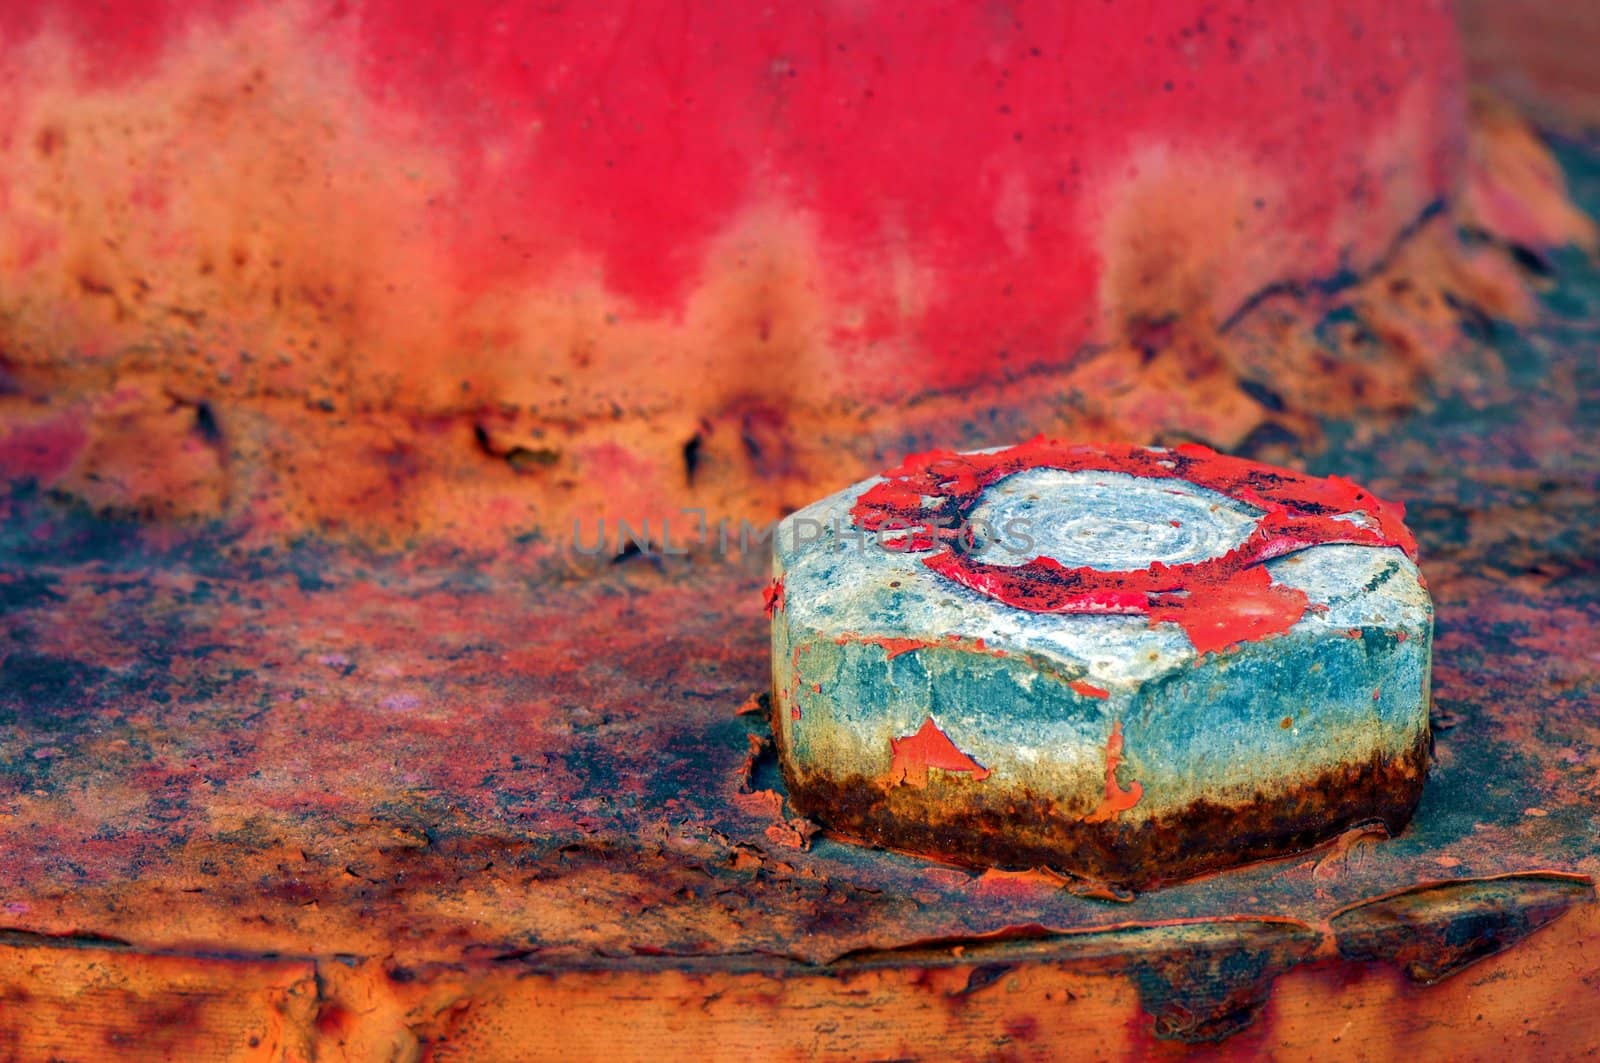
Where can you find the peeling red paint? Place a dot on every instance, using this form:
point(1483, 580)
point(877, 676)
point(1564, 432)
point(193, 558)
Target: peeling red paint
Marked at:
point(894, 645)
point(929, 748)
point(1117, 800)
point(1219, 601)
point(1087, 689)
point(1245, 607)
point(772, 597)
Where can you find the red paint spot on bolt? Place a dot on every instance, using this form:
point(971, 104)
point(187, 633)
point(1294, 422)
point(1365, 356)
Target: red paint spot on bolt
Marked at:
point(772, 599)
point(1117, 800)
point(892, 647)
point(930, 747)
point(1242, 608)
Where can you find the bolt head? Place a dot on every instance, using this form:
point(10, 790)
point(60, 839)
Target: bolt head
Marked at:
point(1121, 663)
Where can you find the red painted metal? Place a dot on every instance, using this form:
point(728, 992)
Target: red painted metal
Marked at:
point(1219, 601)
point(541, 254)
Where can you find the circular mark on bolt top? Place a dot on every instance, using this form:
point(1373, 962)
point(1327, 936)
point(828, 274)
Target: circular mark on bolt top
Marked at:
point(1110, 521)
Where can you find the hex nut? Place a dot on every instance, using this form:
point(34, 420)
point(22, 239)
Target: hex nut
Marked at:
point(1125, 664)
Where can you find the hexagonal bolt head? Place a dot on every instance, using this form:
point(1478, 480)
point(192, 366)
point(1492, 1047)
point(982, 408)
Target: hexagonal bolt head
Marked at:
point(1126, 664)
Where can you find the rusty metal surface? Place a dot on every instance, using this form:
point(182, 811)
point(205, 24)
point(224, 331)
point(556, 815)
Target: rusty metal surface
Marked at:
point(444, 766)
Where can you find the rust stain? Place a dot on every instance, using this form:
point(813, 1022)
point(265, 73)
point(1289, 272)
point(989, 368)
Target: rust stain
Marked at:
point(792, 834)
point(1129, 855)
point(1344, 849)
point(999, 882)
point(928, 748)
point(1133, 988)
point(1515, 187)
point(1434, 930)
point(1117, 799)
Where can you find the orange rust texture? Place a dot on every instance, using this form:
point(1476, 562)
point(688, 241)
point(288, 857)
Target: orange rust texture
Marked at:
point(134, 438)
point(302, 752)
point(1046, 999)
point(1514, 188)
point(280, 337)
point(477, 772)
point(70, 1001)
